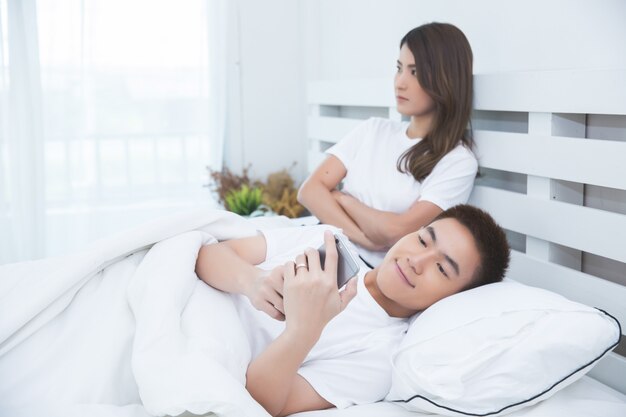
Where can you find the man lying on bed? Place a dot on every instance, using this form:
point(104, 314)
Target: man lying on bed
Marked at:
point(321, 347)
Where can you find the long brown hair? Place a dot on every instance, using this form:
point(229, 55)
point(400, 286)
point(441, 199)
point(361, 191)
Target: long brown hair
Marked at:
point(443, 63)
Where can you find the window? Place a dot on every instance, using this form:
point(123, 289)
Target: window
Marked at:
point(119, 115)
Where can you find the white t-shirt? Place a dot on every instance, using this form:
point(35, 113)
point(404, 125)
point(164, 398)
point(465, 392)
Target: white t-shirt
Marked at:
point(351, 362)
point(370, 154)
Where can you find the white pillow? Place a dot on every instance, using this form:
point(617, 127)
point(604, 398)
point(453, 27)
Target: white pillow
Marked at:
point(497, 348)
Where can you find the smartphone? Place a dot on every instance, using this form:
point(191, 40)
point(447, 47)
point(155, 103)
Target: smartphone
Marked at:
point(347, 266)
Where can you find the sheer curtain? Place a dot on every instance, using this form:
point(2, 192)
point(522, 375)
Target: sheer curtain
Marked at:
point(109, 113)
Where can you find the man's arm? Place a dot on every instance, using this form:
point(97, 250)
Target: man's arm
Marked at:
point(315, 195)
point(273, 381)
point(311, 300)
point(229, 266)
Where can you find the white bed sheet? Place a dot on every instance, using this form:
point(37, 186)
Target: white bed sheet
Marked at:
point(584, 398)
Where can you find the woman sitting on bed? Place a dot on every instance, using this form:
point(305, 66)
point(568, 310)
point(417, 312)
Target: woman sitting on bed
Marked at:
point(397, 176)
point(334, 348)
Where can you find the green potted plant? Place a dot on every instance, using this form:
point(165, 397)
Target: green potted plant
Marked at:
point(245, 201)
point(240, 194)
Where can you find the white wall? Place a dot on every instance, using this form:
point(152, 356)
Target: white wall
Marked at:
point(356, 38)
point(283, 44)
point(269, 132)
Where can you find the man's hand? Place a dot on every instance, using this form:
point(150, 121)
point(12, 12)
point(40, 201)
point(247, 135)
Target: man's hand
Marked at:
point(311, 298)
point(266, 293)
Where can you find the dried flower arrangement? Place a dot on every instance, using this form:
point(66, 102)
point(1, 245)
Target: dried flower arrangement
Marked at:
point(279, 192)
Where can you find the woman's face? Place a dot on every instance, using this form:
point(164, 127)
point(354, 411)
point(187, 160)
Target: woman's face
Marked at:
point(411, 99)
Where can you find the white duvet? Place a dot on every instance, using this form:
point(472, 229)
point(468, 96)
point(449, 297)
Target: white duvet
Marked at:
point(125, 328)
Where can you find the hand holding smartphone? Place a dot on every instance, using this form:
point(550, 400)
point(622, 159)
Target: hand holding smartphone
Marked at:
point(347, 266)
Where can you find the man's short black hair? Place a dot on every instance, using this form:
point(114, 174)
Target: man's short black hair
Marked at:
point(490, 239)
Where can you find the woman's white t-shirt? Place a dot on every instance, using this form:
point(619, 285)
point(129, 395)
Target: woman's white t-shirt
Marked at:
point(370, 154)
point(351, 362)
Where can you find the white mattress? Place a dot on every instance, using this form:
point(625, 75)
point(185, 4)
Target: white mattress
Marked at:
point(584, 398)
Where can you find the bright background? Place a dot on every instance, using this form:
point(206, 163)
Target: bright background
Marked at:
point(111, 110)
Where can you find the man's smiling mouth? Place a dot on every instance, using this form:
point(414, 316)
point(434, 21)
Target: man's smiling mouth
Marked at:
point(399, 270)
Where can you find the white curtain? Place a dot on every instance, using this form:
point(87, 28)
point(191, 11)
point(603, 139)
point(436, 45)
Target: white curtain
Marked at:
point(109, 113)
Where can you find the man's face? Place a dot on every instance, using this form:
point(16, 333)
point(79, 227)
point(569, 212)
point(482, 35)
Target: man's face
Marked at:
point(423, 267)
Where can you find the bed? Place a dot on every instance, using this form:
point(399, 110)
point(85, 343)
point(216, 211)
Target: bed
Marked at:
point(535, 134)
point(551, 147)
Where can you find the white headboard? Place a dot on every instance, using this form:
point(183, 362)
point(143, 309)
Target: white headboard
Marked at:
point(552, 151)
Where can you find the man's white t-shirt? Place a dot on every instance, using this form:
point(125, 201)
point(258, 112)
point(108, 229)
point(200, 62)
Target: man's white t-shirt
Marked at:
point(351, 362)
point(370, 153)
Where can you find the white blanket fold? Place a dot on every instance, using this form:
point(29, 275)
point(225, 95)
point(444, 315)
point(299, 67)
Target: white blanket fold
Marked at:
point(125, 328)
